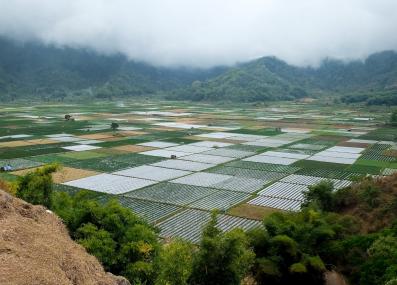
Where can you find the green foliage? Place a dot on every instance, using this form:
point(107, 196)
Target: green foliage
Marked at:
point(321, 195)
point(392, 282)
point(368, 259)
point(291, 247)
point(381, 264)
point(98, 242)
point(176, 263)
point(122, 241)
point(371, 97)
point(369, 194)
point(223, 258)
point(366, 194)
point(47, 72)
point(36, 186)
point(114, 126)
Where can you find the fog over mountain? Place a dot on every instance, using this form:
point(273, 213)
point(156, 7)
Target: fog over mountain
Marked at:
point(207, 33)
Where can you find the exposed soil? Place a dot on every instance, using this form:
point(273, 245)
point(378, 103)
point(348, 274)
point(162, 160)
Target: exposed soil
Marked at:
point(252, 211)
point(15, 143)
point(35, 249)
point(97, 136)
point(65, 174)
point(334, 278)
point(42, 141)
point(383, 214)
point(353, 144)
point(133, 148)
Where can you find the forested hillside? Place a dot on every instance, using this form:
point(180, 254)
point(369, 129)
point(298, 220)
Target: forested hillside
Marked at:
point(373, 81)
point(32, 69)
point(38, 71)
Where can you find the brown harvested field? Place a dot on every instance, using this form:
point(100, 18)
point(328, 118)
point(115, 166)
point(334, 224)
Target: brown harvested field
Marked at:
point(97, 136)
point(179, 110)
point(332, 138)
point(164, 129)
point(130, 133)
point(15, 143)
point(301, 124)
point(42, 141)
point(352, 144)
point(110, 139)
point(69, 173)
point(391, 153)
point(252, 211)
point(65, 174)
point(133, 148)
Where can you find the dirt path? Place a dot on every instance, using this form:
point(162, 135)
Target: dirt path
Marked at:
point(334, 278)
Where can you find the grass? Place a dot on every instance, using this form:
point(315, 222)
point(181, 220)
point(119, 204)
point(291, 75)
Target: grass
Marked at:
point(24, 151)
point(365, 169)
point(263, 132)
point(375, 163)
point(51, 158)
point(252, 211)
point(102, 164)
point(83, 154)
point(8, 177)
point(122, 141)
point(385, 134)
point(319, 165)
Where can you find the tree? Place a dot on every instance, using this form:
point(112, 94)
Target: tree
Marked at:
point(99, 243)
point(321, 195)
point(36, 187)
point(124, 243)
point(292, 247)
point(114, 126)
point(223, 258)
point(380, 266)
point(68, 117)
point(175, 263)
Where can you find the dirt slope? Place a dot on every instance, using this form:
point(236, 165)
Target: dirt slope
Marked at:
point(35, 248)
point(382, 213)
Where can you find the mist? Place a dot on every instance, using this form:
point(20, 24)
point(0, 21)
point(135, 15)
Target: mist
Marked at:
point(206, 33)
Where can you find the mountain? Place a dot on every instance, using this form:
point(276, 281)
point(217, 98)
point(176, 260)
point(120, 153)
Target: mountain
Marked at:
point(35, 248)
point(269, 78)
point(37, 70)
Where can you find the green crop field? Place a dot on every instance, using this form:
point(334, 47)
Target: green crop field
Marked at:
point(222, 156)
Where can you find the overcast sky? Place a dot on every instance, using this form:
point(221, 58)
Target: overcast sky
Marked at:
point(205, 33)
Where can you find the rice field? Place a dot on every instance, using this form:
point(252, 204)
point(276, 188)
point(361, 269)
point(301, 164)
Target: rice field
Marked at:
point(174, 162)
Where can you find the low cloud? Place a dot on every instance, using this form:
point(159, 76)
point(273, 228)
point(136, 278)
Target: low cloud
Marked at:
point(204, 33)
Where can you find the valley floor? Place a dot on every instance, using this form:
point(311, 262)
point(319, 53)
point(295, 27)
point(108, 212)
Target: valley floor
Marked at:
point(174, 162)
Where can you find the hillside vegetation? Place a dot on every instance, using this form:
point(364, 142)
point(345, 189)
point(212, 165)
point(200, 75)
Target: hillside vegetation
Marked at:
point(32, 70)
point(352, 231)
